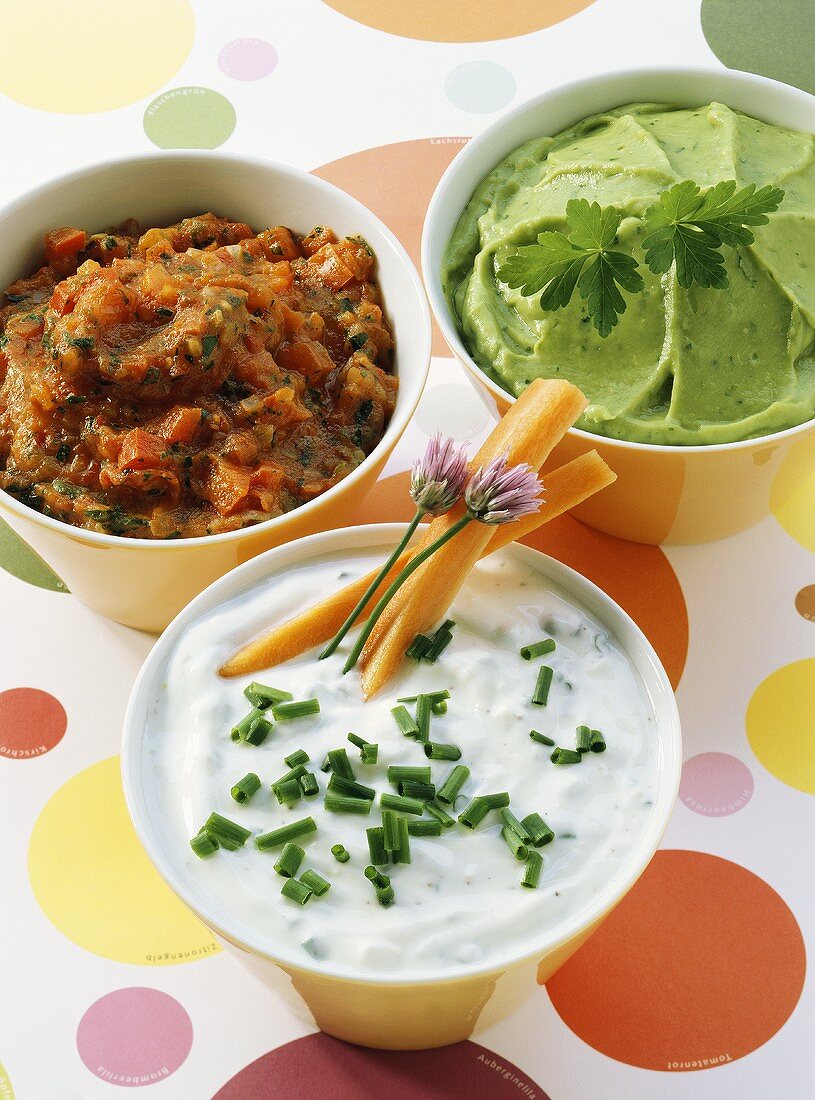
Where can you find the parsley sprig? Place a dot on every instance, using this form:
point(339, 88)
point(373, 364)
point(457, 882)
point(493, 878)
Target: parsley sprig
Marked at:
point(686, 228)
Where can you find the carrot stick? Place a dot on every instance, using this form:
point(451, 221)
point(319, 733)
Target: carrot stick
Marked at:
point(528, 432)
point(566, 487)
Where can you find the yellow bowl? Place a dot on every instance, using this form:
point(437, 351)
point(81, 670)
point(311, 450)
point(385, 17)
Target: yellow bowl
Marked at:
point(144, 584)
point(662, 494)
point(387, 1013)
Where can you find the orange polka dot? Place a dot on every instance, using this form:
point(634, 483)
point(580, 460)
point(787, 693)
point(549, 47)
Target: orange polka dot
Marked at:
point(638, 577)
point(436, 21)
point(418, 165)
point(32, 722)
point(701, 964)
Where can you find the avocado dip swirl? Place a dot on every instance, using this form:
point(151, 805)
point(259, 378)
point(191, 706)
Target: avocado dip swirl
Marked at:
point(684, 366)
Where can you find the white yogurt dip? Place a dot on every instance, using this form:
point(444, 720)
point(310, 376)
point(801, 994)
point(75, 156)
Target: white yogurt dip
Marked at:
point(459, 902)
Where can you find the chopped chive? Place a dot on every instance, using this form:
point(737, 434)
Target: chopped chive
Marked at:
point(532, 870)
point(340, 853)
point(288, 791)
point(349, 787)
point(228, 834)
point(253, 729)
point(448, 624)
point(440, 814)
point(292, 773)
point(441, 640)
point(315, 882)
point(289, 860)
point(541, 738)
point(407, 727)
point(538, 649)
point(450, 788)
point(203, 844)
point(357, 741)
point(512, 822)
point(326, 765)
point(566, 756)
point(435, 750)
point(342, 804)
point(276, 837)
point(405, 805)
point(375, 877)
point(340, 764)
point(544, 681)
point(390, 831)
point(433, 696)
point(398, 773)
point(300, 756)
point(423, 711)
point(296, 891)
point(497, 801)
point(418, 647)
point(475, 813)
point(514, 843)
point(309, 785)
point(376, 845)
point(370, 754)
point(401, 854)
point(245, 788)
point(582, 739)
point(424, 828)
point(262, 697)
point(415, 788)
point(381, 884)
point(598, 741)
point(283, 712)
point(539, 832)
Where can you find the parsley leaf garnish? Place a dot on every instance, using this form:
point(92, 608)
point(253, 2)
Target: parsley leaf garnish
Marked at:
point(688, 228)
point(558, 263)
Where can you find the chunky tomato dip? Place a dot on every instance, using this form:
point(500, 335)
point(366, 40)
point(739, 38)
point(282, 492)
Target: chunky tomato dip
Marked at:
point(192, 379)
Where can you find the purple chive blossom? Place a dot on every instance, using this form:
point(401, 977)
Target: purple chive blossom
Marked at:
point(500, 494)
point(438, 479)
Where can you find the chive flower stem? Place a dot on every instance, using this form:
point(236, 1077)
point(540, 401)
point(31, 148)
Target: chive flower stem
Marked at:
point(396, 584)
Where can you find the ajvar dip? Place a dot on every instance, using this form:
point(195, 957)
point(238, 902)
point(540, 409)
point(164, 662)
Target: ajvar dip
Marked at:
point(192, 379)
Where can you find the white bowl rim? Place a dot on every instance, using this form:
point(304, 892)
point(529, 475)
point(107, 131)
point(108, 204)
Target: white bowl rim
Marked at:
point(438, 302)
point(402, 413)
point(386, 534)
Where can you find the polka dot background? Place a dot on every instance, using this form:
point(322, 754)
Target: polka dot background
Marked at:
point(702, 967)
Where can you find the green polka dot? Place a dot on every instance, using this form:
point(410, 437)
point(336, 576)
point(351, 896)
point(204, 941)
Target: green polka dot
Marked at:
point(773, 38)
point(17, 558)
point(189, 118)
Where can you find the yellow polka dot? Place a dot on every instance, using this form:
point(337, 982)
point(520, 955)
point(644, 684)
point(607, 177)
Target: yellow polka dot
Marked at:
point(792, 498)
point(781, 724)
point(93, 880)
point(6, 1090)
point(92, 55)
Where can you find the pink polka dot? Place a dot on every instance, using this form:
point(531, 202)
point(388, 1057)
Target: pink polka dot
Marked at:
point(715, 784)
point(134, 1037)
point(247, 59)
point(318, 1066)
point(32, 722)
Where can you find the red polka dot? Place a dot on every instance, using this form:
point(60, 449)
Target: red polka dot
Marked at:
point(134, 1037)
point(715, 784)
point(32, 722)
point(701, 964)
point(317, 1066)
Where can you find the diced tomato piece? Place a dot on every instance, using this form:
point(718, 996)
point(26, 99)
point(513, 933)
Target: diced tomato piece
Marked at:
point(267, 476)
point(278, 243)
point(306, 357)
point(139, 450)
point(180, 424)
point(61, 243)
point(62, 299)
point(357, 257)
point(227, 486)
point(314, 241)
point(330, 267)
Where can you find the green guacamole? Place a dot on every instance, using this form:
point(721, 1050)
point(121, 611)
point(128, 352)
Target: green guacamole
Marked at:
point(696, 366)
